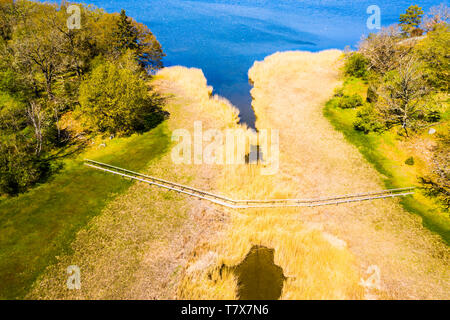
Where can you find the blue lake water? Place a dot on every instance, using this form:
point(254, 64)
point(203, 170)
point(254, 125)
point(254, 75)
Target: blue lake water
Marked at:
point(224, 38)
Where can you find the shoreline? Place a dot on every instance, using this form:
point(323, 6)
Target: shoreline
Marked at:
point(332, 246)
point(297, 246)
point(292, 88)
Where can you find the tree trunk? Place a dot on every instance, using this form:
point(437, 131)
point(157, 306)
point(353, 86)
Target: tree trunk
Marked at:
point(35, 116)
point(56, 114)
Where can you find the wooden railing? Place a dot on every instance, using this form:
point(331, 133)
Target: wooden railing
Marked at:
point(247, 204)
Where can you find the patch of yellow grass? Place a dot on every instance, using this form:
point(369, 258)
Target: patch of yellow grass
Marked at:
point(316, 267)
point(153, 244)
point(289, 93)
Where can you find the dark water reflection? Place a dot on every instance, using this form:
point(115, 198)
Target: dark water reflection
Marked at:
point(258, 276)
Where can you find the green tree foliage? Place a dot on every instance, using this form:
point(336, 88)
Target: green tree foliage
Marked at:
point(410, 21)
point(437, 183)
point(37, 48)
point(369, 120)
point(401, 97)
point(6, 7)
point(409, 161)
point(149, 52)
point(126, 35)
point(20, 167)
point(434, 51)
point(115, 99)
point(42, 66)
point(130, 35)
point(356, 65)
point(347, 102)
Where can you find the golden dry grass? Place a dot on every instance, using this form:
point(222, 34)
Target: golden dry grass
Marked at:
point(317, 265)
point(153, 244)
point(292, 87)
point(138, 247)
point(324, 250)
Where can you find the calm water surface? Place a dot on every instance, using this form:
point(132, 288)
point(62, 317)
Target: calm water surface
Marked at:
point(224, 38)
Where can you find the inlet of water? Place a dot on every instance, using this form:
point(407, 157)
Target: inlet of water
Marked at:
point(259, 278)
point(225, 38)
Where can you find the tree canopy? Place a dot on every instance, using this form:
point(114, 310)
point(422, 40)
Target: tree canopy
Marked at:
point(434, 51)
point(48, 71)
point(115, 98)
point(410, 20)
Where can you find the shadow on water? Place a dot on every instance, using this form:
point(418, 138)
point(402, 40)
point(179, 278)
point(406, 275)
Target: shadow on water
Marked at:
point(258, 276)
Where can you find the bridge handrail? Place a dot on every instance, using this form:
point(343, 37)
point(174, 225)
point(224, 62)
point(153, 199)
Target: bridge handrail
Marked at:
point(266, 203)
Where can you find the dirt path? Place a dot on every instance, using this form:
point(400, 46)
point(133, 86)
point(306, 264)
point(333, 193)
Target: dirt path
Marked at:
point(289, 92)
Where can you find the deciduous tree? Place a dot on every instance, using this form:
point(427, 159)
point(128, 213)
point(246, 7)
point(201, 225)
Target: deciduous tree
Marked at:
point(401, 95)
point(381, 50)
point(438, 15)
point(434, 52)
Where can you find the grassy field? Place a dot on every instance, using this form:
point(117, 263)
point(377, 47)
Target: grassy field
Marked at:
point(149, 243)
point(316, 264)
point(39, 225)
point(324, 252)
point(289, 94)
point(387, 152)
point(139, 243)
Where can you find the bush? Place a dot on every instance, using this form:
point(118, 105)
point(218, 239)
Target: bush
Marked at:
point(372, 96)
point(19, 169)
point(356, 65)
point(433, 51)
point(352, 101)
point(116, 99)
point(433, 116)
point(409, 161)
point(436, 189)
point(339, 92)
point(346, 102)
point(368, 120)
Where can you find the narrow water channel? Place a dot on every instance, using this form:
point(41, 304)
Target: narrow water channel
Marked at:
point(225, 38)
point(259, 278)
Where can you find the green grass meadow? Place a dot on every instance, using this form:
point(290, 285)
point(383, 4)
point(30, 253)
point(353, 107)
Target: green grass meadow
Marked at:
point(382, 151)
point(37, 226)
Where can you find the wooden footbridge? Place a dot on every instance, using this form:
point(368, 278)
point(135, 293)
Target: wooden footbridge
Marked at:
point(247, 204)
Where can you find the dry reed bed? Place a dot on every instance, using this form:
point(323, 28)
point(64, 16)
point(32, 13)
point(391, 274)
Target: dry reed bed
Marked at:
point(291, 88)
point(317, 265)
point(151, 243)
point(137, 247)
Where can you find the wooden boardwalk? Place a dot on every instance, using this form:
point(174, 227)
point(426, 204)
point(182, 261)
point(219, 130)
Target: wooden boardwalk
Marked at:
point(247, 204)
